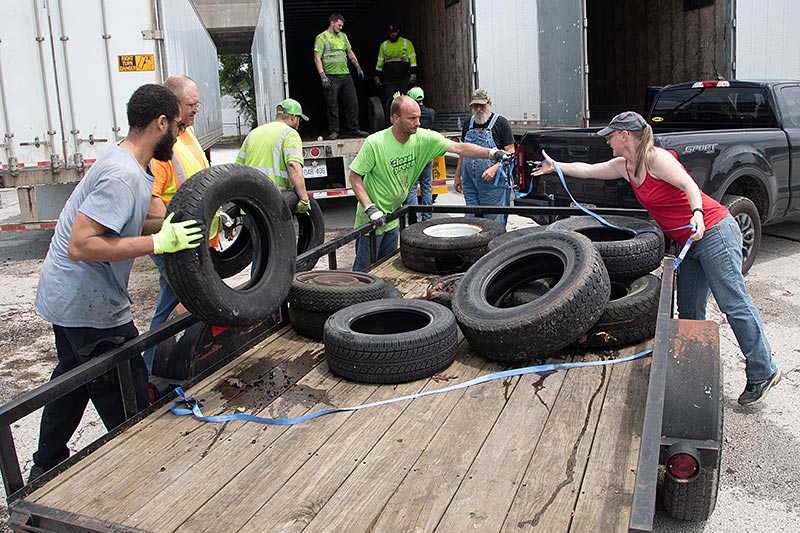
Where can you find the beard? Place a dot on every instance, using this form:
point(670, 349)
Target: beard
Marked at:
point(482, 117)
point(162, 151)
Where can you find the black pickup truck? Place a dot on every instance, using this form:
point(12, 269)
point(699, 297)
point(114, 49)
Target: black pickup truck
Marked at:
point(739, 140)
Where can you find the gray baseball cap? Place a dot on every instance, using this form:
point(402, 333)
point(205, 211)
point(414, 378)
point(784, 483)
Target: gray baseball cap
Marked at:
point(627, 121)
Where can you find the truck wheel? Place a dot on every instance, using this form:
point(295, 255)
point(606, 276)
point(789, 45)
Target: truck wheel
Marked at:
point(309, 228)
point(516, 234)
point(331, 290)
point(630, 315)
point(744, 211)
point(441, 290)
point(390, 341)
point(191, 273)
point(376, 118)
point(625, 255)
point(546, 324)
point(442, 246)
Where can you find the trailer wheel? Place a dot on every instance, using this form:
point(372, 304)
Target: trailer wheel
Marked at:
point(546, 324)
point(390, 341)
point(376, 118)
point(191, 273)
point(441, 290)
point(309, 227)
point(515, 234)
point(445, 245)
point(691, 500)
point(744, 211)
point(625, 255)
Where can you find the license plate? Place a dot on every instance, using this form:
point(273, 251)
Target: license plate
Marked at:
point(319, 170)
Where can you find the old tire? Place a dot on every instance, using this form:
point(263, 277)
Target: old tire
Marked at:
point(191, 273)
point(547, 324)
point(744, 211)
point(630, 315)
point(309, 228)
point(692, 500)
point(331, 290)
point(390, 341)
point(308, 323)
point(441, 290)
point(515, 234)
point(392, 292)
point(625, 255)
point(376, 118)
point(445, 245)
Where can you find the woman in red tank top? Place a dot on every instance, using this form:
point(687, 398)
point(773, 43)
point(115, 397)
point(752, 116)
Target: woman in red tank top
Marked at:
point(714, 261)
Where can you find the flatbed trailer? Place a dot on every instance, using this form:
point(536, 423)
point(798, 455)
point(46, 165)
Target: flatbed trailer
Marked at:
point(574, 450)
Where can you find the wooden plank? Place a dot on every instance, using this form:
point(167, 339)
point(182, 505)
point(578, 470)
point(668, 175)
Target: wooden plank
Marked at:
point(299, 502)
point(424, 495)
point(605, 498)
point(163, 444)
point(114, 451)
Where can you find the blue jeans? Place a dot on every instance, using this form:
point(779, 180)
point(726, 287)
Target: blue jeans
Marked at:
point(714, 266)
point(387, 243)
point(426, 189)
point(167, 302)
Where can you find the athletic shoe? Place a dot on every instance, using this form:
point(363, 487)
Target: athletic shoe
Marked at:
point(754, 392)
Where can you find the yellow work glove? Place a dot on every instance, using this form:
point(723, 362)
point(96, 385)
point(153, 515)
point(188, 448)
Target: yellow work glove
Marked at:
point(176, 236)
point(303, 206)
point(213, 228)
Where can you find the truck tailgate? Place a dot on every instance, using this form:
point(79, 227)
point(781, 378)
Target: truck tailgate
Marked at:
point(557, 451)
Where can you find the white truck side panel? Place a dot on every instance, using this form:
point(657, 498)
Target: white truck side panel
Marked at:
point(767, 39)
point(508, 56)
point(268, 60)
point(189, 50)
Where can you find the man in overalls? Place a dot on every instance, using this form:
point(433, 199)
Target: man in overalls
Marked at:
point(483, 181)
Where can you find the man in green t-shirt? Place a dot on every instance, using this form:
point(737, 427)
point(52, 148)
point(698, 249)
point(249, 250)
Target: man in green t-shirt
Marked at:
point(389, 162)
point(331, 51)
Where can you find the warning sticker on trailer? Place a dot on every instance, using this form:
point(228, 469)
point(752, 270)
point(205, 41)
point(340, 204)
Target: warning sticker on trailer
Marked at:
point(136, 63)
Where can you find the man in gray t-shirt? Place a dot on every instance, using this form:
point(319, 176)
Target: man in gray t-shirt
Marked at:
point(83, 284)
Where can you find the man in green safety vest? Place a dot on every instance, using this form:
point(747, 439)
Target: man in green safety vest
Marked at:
point(331, 50)
point(397, 64)
point(276, 150)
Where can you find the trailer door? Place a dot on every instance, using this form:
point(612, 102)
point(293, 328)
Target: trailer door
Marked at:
point(269, 59)
point(562, 63)
point(767, 40)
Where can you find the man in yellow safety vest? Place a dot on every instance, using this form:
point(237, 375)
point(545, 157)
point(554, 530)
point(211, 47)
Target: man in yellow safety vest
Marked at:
point(396, 68)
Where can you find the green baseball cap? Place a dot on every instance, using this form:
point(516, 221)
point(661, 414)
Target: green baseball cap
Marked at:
point(416, 93)
point(291, 107)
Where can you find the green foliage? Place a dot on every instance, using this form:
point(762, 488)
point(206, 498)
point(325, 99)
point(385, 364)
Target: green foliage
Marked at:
point(236, 80)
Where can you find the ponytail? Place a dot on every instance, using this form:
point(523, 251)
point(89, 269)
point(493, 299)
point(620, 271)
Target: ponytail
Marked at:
point(645, 149)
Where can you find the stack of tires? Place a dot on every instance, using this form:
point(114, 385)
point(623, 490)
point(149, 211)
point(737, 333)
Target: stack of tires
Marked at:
point(577, 282)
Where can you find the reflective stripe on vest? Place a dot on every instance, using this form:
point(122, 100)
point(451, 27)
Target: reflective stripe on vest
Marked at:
point(332, 56)
point(280, 177)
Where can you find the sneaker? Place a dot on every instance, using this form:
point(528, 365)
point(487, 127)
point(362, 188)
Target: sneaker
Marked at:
point(333, 136)
point(361, 133)
point(754, 392)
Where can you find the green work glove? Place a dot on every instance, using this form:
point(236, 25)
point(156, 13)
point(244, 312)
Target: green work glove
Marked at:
point(213, 228)
point(176, 236)
point(303, 206)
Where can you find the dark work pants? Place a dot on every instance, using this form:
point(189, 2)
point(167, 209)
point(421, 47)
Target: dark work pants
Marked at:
point(389, 88)
point(61, 417)
point(342, 88)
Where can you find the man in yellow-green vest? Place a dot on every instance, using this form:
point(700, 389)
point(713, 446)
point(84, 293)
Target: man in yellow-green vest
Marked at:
point(396, 69)
point(276, 150)
point(332, 49)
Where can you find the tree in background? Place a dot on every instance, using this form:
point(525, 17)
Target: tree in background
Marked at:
point(236, 81)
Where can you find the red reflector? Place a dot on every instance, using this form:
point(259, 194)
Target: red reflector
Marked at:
point(216, 330)
point(304, 153)
point(315, 152)
point(683, 466)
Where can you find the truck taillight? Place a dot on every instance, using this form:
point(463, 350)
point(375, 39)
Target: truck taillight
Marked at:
point(715, 83)
point(315, 152)
point(519, 155)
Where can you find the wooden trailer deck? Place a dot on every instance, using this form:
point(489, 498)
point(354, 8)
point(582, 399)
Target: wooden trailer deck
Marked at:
point(554, 453)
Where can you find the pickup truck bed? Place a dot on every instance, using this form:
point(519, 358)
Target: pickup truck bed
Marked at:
point(557, 451)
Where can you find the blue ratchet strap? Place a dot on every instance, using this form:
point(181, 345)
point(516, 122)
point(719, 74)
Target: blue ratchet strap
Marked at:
point(504, 172)
point(194, 407)
point(603, 221)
